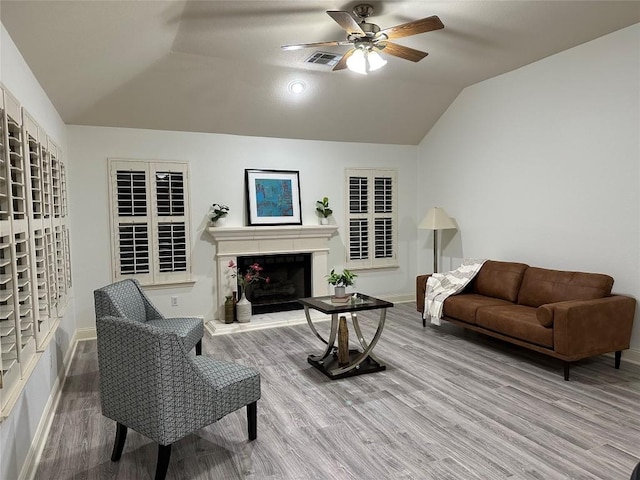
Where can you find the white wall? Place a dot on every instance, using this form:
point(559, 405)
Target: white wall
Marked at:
point(17, 432)
point(541, 165)
point(217, 164)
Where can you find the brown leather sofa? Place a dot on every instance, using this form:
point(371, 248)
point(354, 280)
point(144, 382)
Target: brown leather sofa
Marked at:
point(567, 315)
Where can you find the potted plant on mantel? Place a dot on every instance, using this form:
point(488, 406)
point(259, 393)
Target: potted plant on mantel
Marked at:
point(340, 281)
point(323, 210)
point(218, 211)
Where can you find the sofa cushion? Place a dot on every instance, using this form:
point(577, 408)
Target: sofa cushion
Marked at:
point(499, 279)
point(465, 305)
point(518, 321)
point(541, 286)
point(544, 314)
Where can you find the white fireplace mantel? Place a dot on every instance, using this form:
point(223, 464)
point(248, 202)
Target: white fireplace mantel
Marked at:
point(234, 242)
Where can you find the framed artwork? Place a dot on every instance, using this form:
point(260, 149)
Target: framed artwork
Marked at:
point(273, 197)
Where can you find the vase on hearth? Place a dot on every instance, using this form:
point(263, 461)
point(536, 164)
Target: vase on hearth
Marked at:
point(243, 309)
point(228, 309)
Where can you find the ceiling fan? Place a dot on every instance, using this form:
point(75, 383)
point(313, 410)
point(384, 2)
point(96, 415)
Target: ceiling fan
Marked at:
point(367, 39)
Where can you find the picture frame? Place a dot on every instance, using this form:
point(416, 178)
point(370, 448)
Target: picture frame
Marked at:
point(273, 197)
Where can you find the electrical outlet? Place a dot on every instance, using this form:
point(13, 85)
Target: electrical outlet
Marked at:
point(174, 301)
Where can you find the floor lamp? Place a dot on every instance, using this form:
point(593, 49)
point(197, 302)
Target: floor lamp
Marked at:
point(436, 219)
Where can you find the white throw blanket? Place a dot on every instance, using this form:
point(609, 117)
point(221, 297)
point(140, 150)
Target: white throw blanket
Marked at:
point(441, 285)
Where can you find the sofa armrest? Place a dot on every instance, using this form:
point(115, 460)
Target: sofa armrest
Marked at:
point(582, 327)
point(421, 286)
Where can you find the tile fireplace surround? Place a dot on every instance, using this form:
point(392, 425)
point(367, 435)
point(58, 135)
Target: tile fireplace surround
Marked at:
point(234, 242)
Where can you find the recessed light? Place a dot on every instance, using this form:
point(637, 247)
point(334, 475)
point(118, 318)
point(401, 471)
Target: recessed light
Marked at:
point(297, 86)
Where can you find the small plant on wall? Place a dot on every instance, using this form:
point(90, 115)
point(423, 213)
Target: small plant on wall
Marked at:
point(323, 210)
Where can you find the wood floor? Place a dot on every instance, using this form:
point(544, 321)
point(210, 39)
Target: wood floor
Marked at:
point(451, 405)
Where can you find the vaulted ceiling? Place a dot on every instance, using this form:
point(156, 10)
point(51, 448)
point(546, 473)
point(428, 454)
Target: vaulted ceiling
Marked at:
point(217, 66)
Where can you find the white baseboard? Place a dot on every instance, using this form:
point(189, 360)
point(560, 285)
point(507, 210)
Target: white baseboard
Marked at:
point(85, 334)
point(42, 432)
point(400, 298)
point(632, 356)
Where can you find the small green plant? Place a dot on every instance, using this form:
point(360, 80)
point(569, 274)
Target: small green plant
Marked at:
point(218, 211)
point(346, 278)
point(322, 207)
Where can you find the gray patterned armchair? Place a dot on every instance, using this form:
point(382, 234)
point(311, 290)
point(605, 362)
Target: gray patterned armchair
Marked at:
point(127, 299)
point(150, 383)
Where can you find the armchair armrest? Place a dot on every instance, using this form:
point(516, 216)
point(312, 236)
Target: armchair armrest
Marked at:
point(421, 286)
point(583, 328)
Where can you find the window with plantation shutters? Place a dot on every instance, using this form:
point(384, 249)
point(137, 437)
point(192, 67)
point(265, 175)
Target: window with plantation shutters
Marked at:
point(371, 218)
point(149, 204)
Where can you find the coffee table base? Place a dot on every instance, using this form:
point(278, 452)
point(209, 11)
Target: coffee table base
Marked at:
point(330, 363)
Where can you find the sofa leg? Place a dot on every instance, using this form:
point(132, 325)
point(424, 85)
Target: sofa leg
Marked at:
point(424, 322)
point(566, 370)
point(118, 445)
point(618, 357)
point(199, 347)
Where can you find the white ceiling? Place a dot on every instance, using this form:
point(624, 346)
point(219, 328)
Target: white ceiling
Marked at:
point(217, 66)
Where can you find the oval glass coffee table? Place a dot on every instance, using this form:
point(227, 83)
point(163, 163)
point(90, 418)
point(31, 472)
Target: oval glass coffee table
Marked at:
point(340, 361)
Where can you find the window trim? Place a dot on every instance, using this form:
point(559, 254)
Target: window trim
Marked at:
point(152, 220)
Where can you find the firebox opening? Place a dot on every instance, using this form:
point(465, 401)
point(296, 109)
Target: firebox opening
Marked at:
point(289, 279)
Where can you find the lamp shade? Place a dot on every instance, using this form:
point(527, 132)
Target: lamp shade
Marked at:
point(357, 62)
point(436, 219)
point(375, 61)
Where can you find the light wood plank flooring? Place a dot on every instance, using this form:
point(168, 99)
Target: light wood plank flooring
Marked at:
point(451, 405)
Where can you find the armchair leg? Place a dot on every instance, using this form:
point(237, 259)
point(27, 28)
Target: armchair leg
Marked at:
point(566, 370)
point(164, 454)
point(118, 446)
point(199, 347)
point(618, 357)
point(252, 420)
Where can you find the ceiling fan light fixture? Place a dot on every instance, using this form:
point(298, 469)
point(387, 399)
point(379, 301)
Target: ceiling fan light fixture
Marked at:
point(357, 62)
point(375, 61)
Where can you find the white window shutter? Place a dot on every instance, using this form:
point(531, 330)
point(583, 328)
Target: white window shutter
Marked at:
point(150, 221)
point(371, 217)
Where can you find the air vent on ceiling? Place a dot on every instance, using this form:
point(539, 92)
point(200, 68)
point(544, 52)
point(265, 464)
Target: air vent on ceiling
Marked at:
point(324, 58)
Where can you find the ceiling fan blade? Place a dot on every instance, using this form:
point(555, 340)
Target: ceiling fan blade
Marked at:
point(299, 46)
point(347, 22)
point(342, 64)
point(403, 52)
point(412, 28)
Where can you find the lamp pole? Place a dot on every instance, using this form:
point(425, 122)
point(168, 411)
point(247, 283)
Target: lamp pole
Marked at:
point(435, 251)
point(436, 219)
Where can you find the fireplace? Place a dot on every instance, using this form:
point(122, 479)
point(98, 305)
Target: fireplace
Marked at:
point(233, 243)
point(289, 279)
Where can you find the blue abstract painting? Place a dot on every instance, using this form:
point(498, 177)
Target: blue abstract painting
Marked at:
point(274, 197)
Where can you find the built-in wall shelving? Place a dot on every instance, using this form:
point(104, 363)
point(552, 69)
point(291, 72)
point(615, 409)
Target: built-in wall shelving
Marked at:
point(35, 264)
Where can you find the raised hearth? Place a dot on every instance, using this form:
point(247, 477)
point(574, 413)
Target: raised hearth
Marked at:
point(234, 242)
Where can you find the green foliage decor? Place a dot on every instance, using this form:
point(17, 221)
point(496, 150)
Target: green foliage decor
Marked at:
point(322, 207)
point(346, 278)
point(218, 211)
